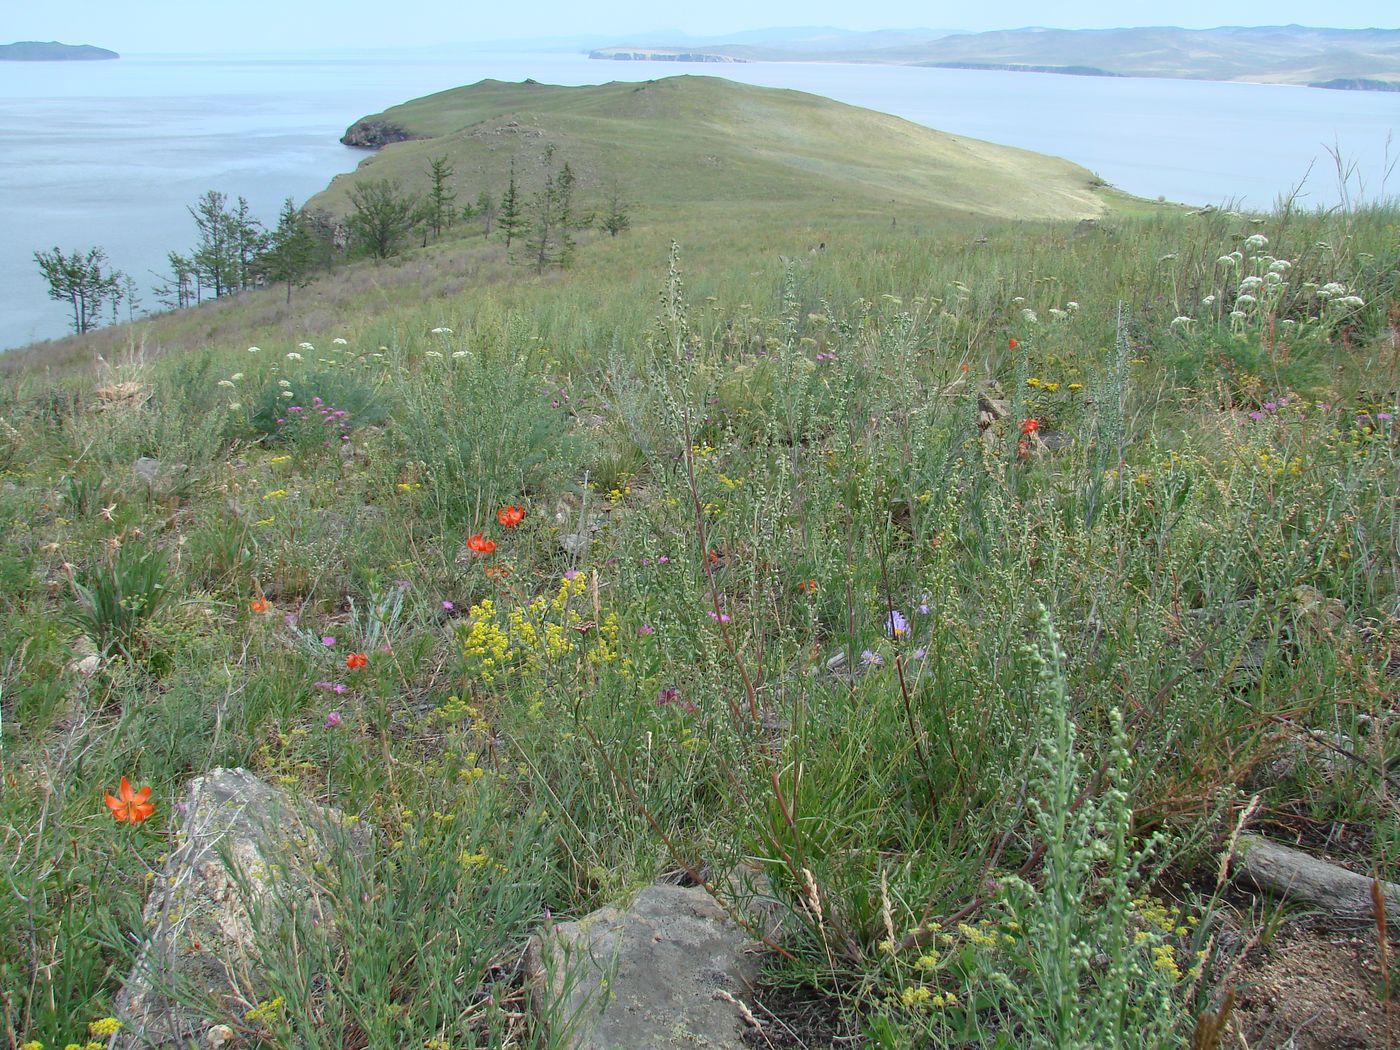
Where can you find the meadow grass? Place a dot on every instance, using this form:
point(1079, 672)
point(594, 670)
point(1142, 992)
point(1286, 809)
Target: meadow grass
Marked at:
point(979, 711)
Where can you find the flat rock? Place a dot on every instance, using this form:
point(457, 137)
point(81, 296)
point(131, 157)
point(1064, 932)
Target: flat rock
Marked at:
point(651, 976)
point(244, 853)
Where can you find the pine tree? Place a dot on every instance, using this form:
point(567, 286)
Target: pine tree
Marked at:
point(79, 280)
point(440, 196)
point(511, 217)
point(292, 252)
point(383, 216)
point(216, 256)
point(616, 220)
point(551, 218)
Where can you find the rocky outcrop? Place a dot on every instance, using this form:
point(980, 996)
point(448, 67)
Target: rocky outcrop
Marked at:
point(374, 133)
point(1358, 84)
point(669, 970)
point(245, 853)
point(618, 54)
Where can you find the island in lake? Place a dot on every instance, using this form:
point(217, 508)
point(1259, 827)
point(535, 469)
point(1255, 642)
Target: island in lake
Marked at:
point(53, 51)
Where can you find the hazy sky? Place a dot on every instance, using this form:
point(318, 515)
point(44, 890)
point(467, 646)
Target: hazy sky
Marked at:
point(281, 25)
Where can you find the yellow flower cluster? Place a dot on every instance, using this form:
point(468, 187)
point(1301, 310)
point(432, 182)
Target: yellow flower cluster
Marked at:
point(922, 995)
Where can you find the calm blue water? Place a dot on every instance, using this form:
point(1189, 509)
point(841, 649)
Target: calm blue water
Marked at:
point(110, 153)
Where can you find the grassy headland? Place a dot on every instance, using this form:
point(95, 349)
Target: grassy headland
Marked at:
point(936, 572)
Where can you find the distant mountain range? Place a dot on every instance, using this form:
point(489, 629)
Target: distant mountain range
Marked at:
point(53, 51)
point(1357, 59)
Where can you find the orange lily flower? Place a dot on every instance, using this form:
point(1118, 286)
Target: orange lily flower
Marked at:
point(355, 661)
point(129, 805)
point(510, 516)
point(479, 544)
point(259, 605)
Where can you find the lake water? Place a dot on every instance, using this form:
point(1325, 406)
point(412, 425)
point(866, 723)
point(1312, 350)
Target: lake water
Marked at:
point(111, 153)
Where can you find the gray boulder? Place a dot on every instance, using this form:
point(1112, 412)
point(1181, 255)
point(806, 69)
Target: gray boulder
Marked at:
point(669, 970)
point(244, 850)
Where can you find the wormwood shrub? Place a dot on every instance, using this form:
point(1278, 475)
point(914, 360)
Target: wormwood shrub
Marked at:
point(479, 427)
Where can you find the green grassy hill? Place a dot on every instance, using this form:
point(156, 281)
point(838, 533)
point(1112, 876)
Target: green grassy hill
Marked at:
point(711, 146)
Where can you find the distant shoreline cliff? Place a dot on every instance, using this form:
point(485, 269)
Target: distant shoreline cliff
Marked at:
point(53, 51)
point(636, 54)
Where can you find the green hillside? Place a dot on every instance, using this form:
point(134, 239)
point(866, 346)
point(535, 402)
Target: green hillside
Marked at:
point(705, 143)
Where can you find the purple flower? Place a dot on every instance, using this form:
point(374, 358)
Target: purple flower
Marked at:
point(717, 617)
point(323, 685)
point(688, 707)
point(896, 626)
point(919, 653)
point(1256, 414)
point(1270, 406)
point(290, 619)
point(328, 640)
point(280, 421)
point(870, 658)
point(663, 559)
point(646, 628)
point(332, 719)
point(923, 607)
point(448, 606)
point(315, 400)
point(668, 695)
point(1384, 417)
point(570, 574)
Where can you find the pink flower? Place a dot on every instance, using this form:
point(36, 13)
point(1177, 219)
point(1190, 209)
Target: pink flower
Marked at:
point(332, 719)
point(717, 617)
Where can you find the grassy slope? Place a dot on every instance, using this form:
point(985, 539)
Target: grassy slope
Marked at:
point(710, 146)
point(836, 464)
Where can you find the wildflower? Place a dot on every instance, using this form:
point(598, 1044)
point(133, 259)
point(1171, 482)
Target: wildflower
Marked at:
point(104, 1027)
point(448, 606)
point(896, 625)
point(510, 516)
point(332, 719)
point(305, 346)
point(919, 653)
point(1075, 386)
point(1029, 426)
point(259, 605)
point(328, 640)
point(226, 382)
point(479, 544)
point(870, 658)
point(717, 617)
point(354, 661)
point(294, 356)
point(645, 629)
point(667, 695)
point(442, 331)
point(1256, 414)
point(254, 349)
point(1012, 344)
point(1032, 381)
point(129, 805)
point(1384, 417)
point(809, 586)
point(339, 342)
